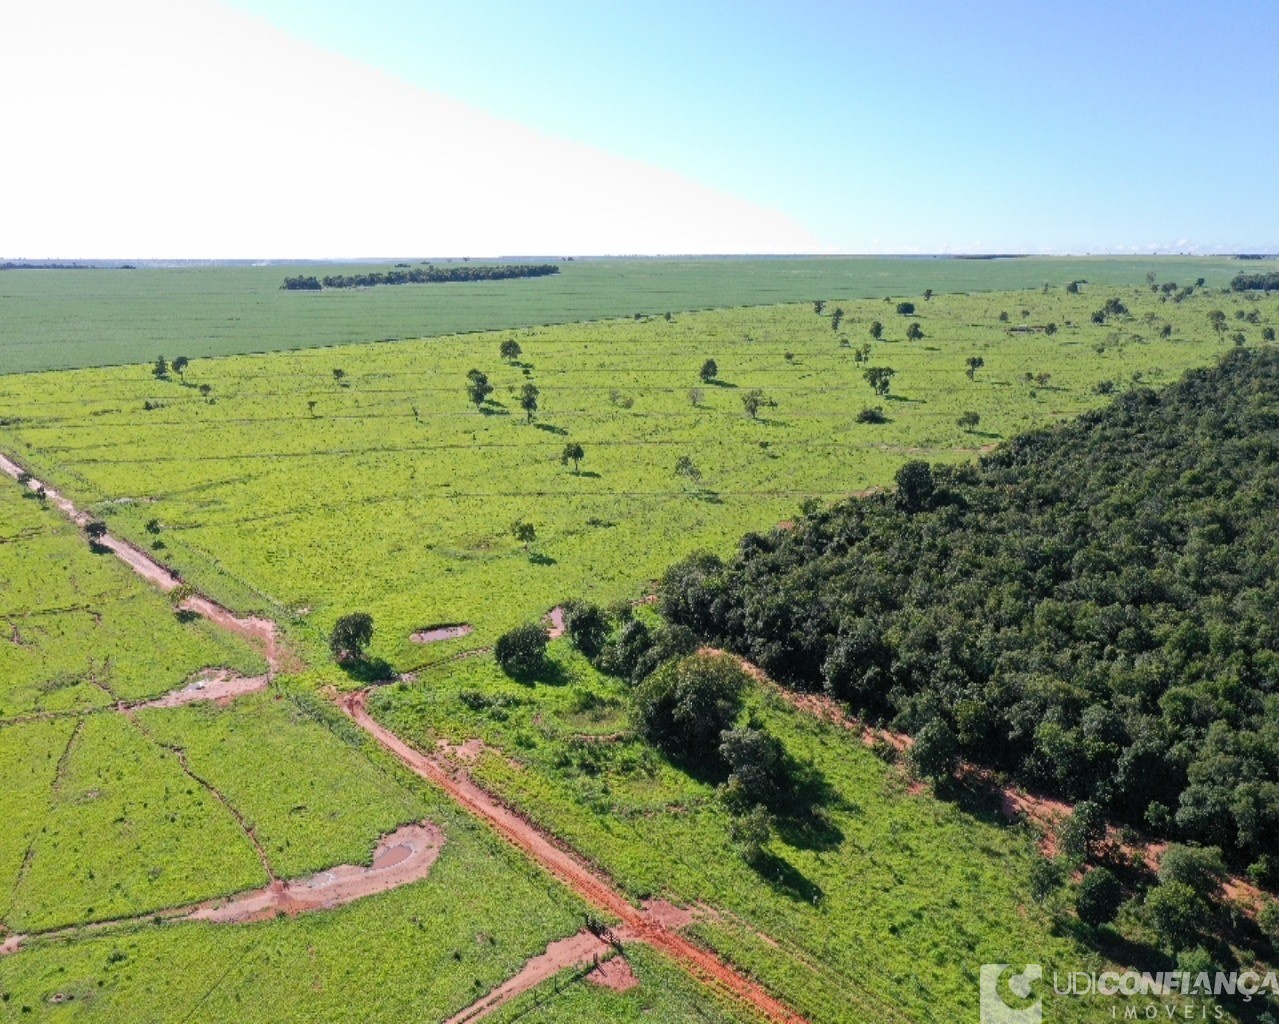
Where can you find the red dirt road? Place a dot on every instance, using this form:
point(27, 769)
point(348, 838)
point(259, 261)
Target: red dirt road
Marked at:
point(637, 923)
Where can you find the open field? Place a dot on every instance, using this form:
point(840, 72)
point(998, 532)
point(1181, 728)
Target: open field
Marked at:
point(80, 630)
point(51, 319)
point(391, 493)
point(289, 491)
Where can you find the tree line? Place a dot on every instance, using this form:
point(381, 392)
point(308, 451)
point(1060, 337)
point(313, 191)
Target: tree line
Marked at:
point(1267, 282)
point(1090, 609)
point(421, 275)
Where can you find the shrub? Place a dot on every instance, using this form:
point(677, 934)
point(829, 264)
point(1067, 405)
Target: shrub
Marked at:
point(1199, 867)
point(1099, 896)
point(1175, 912)
point(872, 414)
point(935, 753)
point(587, 627)
point(521, 652)
point(686, 704)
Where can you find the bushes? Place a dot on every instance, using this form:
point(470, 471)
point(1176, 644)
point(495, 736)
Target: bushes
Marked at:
point(685, 705)
point(521, 652)
point(587, 627)
point(350, 635)
point(1098, 898)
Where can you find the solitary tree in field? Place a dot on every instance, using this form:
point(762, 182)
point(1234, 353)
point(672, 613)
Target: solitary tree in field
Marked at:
point(914, 332)
point(753, 401)
point(478, 388)
point(180, 366)
point(928, 294)
point(338, 374)
point(695, 396)
point(876, 330)
point(906, 308)
point(524, 532)
point(836, 318)
point(709, 371)
point(968, 421)
point(350, 636)
point(310, 406)
point(95, 530)
point(574, 453)
point(1050, 329)
point(511, 350)
point(818, 306)
point(861, 354)
point(1218, 321)
point(1267, 334)
point(687, 468)
point(975, 363)
point(206, 390)
point(161, 368)
point(880, 378)
point(528, 401)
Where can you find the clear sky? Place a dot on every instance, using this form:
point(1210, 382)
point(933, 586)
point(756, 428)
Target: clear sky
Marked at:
point(475, 127)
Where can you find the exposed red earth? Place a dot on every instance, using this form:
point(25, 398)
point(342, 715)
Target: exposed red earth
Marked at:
point(434, 634)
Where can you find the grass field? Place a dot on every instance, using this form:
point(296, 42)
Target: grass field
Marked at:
point(394, 495)
point(80, 630)
point(868, 913)
point(51, 319)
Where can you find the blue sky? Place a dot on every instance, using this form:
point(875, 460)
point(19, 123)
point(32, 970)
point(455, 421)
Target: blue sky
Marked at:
point(837, 127)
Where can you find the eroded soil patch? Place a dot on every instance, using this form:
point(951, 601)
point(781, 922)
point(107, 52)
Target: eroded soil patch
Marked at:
point(434, 634)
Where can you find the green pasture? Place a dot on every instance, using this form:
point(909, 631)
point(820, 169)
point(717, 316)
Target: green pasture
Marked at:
point(287, 490)
point(56, 319)
point(882, 907)
point(79, 630)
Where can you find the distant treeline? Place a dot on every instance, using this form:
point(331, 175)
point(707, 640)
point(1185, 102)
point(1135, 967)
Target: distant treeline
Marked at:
point(422, 275)
point(1268, 282)
point(20, 265)
point(1091, 608)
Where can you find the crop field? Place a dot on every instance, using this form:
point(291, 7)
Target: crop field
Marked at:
point(868, 913)
point(58, 319)
point(287, 490)
point(81, 631)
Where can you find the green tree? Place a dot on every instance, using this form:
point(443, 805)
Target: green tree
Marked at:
point(914, 332)
point(1098, 898)
point(180, 365)
point(1176, 912)
point(521, 652)
point(95, 530)
point(818, 306)
point(1217, 320)
point(161, 368)
point(975, 363)
point(1267, 334)
point(1200, 867)
point(587, 627)
point(914, 485)
point(687, 468)
point(753, 401)
point(968, 421)
point(928, 294)
point(1050, 329)
point(880, 378)
point(906, 308)
point(1046, 877)
point(339, 375)
point(206, 390)
point(510, 350)
point(350, 636)
point(528, 401)
point(709, 371)
point(478, 388)
point(695, 397)
point(1083, 831)
point(757, 766)
point(876, 330)
point(574, 453)
point(686, 704)
point(934, 755)
point(836, 318)
point(524, 532)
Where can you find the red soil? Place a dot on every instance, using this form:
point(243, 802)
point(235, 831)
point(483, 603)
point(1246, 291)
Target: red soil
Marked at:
point(435, 634)
point(221, 685)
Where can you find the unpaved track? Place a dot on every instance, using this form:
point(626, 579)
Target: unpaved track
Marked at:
point(639, 924)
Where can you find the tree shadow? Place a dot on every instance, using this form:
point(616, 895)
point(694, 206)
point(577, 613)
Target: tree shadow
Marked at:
point(551, 428)
point(708, 496)
point(369, 670)
point(783, 877)
point(548, 673)
point(717, 383)
point(186, 615)
point(99, 549)
point(589, 473)
point(537, 558)
point(501, 410)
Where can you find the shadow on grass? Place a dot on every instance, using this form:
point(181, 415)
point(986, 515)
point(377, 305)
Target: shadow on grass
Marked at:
point(588, 473)
point(369, 670)
point(551, 428)
point(784, 878)
point(717, 383)
point(708, 497)
point(537, 558)
point(548, 673)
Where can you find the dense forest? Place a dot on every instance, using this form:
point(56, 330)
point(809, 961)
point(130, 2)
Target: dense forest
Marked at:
point(1093, 608)
point(1256, 282)
point(422, 275)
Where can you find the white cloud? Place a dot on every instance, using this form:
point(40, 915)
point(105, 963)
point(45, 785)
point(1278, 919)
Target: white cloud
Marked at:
point(180, 128)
